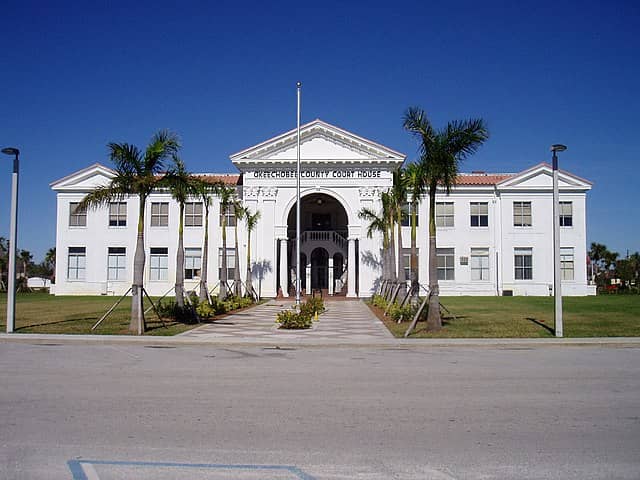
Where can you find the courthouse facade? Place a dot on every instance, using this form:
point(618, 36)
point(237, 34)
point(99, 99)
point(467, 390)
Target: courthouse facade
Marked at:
point(494, 231)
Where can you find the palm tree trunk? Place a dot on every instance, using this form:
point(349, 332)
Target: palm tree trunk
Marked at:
point(392, 256)
point(402, 277)
point(248, 283)
point(434, 322)
point(205, 257)
point(415, 288)
point(137, 310)
point(222, 295)
point(179, 286)
point(237, 284)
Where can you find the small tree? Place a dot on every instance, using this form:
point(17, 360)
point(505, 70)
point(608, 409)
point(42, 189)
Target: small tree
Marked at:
point(226, 200)
point(205, 190)
point(251, 221)
point(238, 212)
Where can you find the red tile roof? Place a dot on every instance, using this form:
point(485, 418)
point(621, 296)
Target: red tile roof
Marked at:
point(226, 178)
point(482, 178)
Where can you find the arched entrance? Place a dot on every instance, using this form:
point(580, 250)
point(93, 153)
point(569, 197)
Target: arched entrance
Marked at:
point(323, 244)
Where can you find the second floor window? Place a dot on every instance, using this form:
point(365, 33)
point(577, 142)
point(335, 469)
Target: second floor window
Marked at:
point(566, 214)
point(77, 215)
point(444, 214)
point(118, 214)
point(159, 214)
point(230, 215)
point(479, 214)
point(522, 214)
point(407, 210)
point(193, 214)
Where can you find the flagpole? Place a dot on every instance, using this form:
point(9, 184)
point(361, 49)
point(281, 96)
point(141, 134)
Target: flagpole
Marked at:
point(299, 86)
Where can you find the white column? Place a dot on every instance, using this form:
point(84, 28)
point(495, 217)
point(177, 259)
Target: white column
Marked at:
point(351, 265)
point(284, 274)
point(308, 277)
point(330, 275)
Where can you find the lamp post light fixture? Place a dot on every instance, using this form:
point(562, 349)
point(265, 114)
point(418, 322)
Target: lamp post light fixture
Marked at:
point(557, 280)
point(13, 240)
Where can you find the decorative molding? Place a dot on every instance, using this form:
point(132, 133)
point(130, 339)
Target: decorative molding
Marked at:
point(369, 192)
point(256, 192)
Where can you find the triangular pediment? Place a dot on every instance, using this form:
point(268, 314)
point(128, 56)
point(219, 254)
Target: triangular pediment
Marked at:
point(86, 179)
point(541, 177)
point(320, 142)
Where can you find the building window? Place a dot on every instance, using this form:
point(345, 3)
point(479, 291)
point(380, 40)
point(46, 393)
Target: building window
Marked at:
point(116, 263)
point(407, 210)
point(77, 215)
point(229, 212)
point(479, 264)
point(566, 214)
point(522, 214)
point(159, 263)
point(523, 261)
point(566, 263)
point(193, 214)
point(406, 261)
point(192, 263)
point(444, 214)
point(159, 214)
point(446, 263)
point(479, 214)
point(231, 262)
point(118, 214)
point(77, 263)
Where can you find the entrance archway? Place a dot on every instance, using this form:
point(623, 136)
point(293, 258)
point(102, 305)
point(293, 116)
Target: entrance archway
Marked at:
point(323, 243)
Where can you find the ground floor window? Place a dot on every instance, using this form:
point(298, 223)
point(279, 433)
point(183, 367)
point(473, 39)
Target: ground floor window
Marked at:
point(479, 264)
point(446, 263)
point(231, 262)
point(192, 263)
point(116, 263)
point(406, 261)
point(523, 261)
point(76, 266)
point(159, 263)
point(566, 263)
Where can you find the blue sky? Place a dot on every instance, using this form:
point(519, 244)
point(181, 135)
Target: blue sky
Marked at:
point(77, 75)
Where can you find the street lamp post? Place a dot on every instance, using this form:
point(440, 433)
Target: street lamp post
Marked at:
point(557, 281)
point(13, 240)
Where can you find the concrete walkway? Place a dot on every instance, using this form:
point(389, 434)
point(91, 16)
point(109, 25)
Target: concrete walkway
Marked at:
point(343, 321)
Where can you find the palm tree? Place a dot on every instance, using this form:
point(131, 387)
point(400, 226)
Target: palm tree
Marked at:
point(238, 212)
point(4, 259)
point(204, 190)
point(378, 223)
point(50, 262)
point(26, 258)
point(388, 209)
point(251, 221)
point(182, 186)
point(415, 188)
point(398, 199)
point(441, 152)
point(226, 200)
point(136, 175)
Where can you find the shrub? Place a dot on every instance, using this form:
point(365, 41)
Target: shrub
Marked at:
point(291, 319)
point(396, 312)
point(170, 309)
point(205, 311)
point(378, 301)
point(312, 306)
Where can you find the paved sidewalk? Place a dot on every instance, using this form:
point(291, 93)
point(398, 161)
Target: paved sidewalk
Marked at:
point(342, 322)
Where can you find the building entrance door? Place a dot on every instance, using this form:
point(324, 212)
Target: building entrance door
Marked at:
point(319, 269)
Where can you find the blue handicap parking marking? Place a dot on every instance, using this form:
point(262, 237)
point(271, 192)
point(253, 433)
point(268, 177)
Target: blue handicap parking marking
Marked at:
point(93, 469)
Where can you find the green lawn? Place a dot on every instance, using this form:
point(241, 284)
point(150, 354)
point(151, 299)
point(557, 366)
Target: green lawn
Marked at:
point(531, 317)
point(44, 313)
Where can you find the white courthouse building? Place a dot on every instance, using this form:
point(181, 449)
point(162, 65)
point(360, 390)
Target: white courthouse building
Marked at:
point(494, 231)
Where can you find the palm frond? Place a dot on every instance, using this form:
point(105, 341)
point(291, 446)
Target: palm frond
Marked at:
point(163, 145)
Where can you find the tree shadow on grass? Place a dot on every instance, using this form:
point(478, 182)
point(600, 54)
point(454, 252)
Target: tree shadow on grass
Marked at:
point(58, 322)
point(540, 324)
